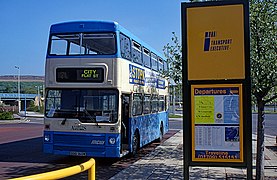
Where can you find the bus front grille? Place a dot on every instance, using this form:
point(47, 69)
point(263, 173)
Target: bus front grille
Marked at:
point(79, 139)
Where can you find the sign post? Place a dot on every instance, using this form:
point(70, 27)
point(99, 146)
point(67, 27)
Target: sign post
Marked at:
point(216, 80)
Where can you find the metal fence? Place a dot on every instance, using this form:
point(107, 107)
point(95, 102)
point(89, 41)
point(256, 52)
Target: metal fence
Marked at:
point(62, 173)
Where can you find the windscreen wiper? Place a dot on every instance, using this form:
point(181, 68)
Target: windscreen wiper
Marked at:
point(90, 117)
point(63, 122)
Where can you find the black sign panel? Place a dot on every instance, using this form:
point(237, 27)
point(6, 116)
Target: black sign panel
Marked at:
point(95, 75)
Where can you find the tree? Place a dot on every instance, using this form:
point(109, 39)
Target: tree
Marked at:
point(173, 54)
point(263, 33)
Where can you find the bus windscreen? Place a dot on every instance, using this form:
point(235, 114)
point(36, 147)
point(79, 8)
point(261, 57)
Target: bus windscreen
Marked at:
point(87, 105)
point(82, 44)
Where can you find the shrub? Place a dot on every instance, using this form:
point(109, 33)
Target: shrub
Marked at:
point(6, 115)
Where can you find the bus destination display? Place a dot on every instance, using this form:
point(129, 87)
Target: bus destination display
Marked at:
point(95, 75)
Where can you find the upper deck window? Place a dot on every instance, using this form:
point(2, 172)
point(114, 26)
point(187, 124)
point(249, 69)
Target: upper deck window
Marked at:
point(83, 44)
point(154, 62)
point(165, 66)
point(136, 52)
point(125, 46)
point(146, 57)
point(161, 65)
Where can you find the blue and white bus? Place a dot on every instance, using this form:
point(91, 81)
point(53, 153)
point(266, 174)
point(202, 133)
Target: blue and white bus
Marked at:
point(105, 96)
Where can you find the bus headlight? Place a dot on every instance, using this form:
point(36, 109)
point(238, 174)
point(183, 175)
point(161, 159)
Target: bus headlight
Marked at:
point(47, 138)
point(112, 140)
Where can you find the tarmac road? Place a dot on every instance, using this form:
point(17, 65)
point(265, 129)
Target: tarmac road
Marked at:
point(270, 124)
point(19, 131)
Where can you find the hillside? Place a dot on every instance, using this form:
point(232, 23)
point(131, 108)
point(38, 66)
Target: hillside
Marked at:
point(23, 78)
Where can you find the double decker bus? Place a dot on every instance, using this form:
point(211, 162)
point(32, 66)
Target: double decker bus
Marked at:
point(105, 96)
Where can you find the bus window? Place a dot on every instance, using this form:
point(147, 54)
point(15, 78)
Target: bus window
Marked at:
point(154, 103)
point(161, 65)
point(136, 53)
point(166, 102)
point(147, 104)
point(137, 105)
point(103, 43)
point(58, 46)
point(146, 57)
point(161, 103)
point(165, 66)
point(125, 47)
point(83, 44)
point(75, 49)
point(154, 62)
point(87, 105)
point(53, 102)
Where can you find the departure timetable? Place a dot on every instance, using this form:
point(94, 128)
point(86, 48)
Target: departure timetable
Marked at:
point(217, 122)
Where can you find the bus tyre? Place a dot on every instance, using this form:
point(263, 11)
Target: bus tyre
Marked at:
point(135, 145)
point(161, 133)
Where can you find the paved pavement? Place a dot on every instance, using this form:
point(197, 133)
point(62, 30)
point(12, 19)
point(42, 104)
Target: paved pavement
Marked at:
point(30, 114)
point(166, 162)
point(22, 120)
point(22, 117)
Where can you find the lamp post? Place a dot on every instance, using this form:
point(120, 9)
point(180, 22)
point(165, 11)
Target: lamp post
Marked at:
point(38, 97)
point(37, 90)
point(43, 90)
point(18, 88)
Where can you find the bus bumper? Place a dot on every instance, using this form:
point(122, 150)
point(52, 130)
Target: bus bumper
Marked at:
point(82, 144)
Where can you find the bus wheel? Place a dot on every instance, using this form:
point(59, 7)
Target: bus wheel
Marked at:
point(161, 133)
point(135, 144)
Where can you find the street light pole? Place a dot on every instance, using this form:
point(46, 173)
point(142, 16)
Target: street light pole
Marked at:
point(38, 97)
point(18, 89)
point(38, 90)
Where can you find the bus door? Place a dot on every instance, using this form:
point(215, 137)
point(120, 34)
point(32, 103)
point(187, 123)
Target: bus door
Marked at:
point(125, 124)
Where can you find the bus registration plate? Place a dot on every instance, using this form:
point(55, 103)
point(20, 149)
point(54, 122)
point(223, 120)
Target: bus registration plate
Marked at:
point(74, 153)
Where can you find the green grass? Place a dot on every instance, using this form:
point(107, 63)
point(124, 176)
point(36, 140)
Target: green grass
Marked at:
point(266, 112)
point(175, 116)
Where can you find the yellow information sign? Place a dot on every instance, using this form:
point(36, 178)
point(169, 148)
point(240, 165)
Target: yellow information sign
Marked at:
point(217, 123)
point(204, 109)
point(215, 42)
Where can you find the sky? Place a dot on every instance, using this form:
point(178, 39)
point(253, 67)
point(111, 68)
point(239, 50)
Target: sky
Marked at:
point(24, 25)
